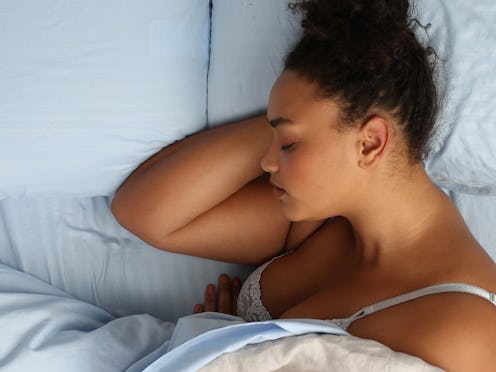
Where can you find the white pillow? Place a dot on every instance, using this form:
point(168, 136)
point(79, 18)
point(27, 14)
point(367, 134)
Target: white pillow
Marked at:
point(250, 40)
point(464, 36)
point(91, 88)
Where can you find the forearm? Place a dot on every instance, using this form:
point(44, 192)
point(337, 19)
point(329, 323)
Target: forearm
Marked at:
point(190, 177)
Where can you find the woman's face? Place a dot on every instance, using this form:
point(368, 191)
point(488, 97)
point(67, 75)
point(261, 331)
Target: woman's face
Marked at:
point(312, 164)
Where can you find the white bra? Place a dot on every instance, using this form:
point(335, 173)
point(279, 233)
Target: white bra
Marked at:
point(251, 308)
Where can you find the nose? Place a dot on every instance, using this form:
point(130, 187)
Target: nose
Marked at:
point(270, 161)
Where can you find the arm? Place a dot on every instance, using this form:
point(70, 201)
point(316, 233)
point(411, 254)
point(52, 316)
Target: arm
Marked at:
point(206, 196)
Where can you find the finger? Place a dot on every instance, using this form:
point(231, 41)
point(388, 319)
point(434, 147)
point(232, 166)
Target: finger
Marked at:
point(210, 298)
point(198, 309)
point(225, 297)
point(236, 287)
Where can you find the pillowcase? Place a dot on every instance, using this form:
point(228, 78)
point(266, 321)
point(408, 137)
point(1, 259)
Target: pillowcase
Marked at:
point(91, 89)
point(251, 39)
point(463, 35)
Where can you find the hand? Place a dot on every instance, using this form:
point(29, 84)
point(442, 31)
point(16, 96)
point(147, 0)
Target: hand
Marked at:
point(227, 297)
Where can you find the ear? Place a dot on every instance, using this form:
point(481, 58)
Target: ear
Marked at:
point(375, 135)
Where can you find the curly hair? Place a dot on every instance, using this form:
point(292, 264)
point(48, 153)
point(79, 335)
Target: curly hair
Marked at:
point(364, 54)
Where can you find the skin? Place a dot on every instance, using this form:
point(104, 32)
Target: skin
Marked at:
point(395, 231)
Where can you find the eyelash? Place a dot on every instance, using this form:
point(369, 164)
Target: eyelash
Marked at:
point(287, 147)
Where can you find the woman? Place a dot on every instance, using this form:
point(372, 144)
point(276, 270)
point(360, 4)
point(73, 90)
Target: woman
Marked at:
point(341, 197)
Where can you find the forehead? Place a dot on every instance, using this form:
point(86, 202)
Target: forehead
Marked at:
point(294, 97)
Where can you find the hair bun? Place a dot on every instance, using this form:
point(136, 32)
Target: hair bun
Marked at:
point(328, 20)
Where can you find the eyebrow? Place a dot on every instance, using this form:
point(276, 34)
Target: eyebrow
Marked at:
point(279, 121)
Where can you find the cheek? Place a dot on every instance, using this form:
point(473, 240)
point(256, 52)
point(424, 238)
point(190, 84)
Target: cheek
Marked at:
point(320, 172)
point(303, 172)
point(293, 167)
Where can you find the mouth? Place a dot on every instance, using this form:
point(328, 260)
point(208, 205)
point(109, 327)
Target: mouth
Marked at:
point(277, 191)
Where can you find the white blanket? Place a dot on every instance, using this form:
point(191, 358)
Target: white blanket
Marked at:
point(318, 352)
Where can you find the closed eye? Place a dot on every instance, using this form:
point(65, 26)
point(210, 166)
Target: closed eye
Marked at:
point(287, 147)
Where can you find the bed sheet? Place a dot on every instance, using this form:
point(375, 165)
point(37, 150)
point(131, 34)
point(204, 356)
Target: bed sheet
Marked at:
point(77, 246)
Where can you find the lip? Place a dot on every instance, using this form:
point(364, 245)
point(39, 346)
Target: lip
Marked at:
point(277, 191)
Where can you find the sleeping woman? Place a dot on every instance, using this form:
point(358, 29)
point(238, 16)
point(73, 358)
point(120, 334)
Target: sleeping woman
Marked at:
point(328, 193)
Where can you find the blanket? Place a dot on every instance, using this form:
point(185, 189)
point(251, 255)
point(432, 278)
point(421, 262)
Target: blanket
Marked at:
point(44, 328)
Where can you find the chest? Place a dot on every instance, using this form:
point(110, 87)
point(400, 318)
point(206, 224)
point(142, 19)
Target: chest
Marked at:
point(315, 273)
point(323, 279)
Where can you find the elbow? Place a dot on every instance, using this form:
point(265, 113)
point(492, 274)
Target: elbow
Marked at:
point(129, 216)
point(125, 214)
point(120, 211)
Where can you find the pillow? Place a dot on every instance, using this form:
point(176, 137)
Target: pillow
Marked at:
point(91, 89)
point(250, 40)
point(464, 34)
point(478, 211)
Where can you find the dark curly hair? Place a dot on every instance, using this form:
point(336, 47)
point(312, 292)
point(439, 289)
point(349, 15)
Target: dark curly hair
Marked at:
point(364, 54)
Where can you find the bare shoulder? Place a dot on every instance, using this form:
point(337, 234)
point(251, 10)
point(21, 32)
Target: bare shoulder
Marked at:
point(466, 338)
point(456, 332)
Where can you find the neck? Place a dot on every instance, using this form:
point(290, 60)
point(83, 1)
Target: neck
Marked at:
point(394, 218)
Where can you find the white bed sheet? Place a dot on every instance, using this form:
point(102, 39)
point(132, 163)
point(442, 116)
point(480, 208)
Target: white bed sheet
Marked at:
point(77, 246)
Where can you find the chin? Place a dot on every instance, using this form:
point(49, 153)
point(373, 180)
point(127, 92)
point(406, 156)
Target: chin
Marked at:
point(294, 214)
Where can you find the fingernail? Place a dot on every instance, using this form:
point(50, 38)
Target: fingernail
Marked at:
point(236, 281)
point(211, 289)
point(224, 279)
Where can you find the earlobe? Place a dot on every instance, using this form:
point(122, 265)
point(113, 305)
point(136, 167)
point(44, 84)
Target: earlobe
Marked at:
point(374, 139)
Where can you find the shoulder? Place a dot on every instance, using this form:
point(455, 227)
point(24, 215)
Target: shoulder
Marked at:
point(459, 336)
point(468, 336)
point(454, 331)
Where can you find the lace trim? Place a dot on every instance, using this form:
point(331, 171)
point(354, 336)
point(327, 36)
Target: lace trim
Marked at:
point(250, 306)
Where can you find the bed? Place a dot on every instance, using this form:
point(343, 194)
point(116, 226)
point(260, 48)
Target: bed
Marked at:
point(91, 89)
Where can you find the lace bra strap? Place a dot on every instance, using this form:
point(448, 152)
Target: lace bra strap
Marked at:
point(433, 289)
